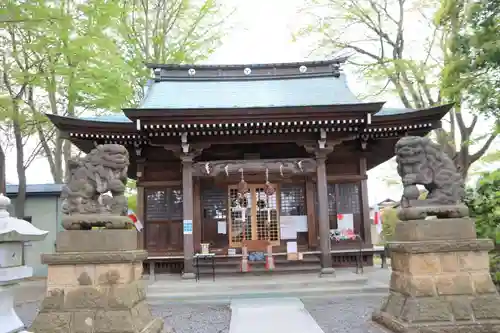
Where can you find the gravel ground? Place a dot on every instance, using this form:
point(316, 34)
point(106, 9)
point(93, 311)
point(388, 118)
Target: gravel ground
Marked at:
point(334, 315)
point(184, 318)
point(345, 314)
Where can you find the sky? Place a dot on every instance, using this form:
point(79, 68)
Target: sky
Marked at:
point(261, 33)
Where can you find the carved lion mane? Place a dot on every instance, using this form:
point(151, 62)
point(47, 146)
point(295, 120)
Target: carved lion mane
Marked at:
point(421, 162)
point(97, 182)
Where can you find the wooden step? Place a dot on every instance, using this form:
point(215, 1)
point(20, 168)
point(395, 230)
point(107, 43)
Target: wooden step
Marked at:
point(308, 264)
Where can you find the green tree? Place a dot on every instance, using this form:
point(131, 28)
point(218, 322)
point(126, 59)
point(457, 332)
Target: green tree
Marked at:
point(472, 67)
point(18, 71)
point(83, 70)
point(379, 33)
point(169, 31)
point(484, 205)
point(92, 56)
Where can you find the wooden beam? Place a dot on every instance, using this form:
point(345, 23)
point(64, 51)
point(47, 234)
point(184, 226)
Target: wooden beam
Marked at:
point(282, 166)
point(235, 139)
point(346, 178)
point(159, 183)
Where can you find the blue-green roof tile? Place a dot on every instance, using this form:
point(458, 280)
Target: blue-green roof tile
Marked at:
point(248, 93)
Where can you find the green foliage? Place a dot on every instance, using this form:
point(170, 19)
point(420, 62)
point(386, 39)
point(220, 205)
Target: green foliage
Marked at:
point(484, 205)
point(472, 62)
point(389, 221)
point(131, 194)
point(75, 57)
point(380, 36)
point(168, 31)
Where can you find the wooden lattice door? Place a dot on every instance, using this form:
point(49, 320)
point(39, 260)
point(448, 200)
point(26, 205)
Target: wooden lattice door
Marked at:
point(253, 217)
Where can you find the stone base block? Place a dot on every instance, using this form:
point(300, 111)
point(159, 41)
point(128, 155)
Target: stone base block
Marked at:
point(440, 285)
point(97, 240)
point(87, 221)
point(417, 211)
point(95, 292)
point(398, 326)
point(430, 230)
point(96, 309)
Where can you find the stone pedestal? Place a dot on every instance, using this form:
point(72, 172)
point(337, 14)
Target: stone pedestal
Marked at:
point(13, 234)
point(94, 285)
point(440, 280)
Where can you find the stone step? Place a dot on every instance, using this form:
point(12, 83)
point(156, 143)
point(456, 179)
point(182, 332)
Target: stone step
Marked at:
point(214, 296)
point(267, 282)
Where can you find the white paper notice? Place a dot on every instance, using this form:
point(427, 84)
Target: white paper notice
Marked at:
point(222, 227)
point(288, 227)
point(301, 223)
point(345, 221)
point(291, 247)
point(288, 233)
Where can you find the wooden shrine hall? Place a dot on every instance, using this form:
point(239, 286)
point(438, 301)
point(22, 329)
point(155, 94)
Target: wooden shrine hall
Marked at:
point(244, 160)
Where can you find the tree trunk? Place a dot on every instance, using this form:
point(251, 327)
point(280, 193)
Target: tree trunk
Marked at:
point(21, 171)
point(2, 172)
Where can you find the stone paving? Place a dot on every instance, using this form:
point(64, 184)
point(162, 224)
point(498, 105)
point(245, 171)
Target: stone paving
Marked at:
point(333, 313)
point(336, 314)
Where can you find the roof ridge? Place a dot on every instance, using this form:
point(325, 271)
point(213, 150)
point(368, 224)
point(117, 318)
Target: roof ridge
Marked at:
point(338, 60)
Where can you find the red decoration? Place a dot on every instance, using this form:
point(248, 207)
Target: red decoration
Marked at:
point(340, 216)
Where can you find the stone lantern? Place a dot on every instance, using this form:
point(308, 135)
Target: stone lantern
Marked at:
point(13, 234)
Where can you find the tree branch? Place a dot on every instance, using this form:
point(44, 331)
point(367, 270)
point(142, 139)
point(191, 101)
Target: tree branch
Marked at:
point(484, 148)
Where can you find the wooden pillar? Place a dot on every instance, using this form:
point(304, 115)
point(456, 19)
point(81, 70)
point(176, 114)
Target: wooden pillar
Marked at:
point(367, 231)
point(312, 231)
point(187, 210)
point(324, 222)
point(141, 202)
point(197, 230)
point(140, 216)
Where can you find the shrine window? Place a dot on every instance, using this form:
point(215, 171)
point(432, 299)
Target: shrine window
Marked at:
point(214, 203)
point(293, 200)
point(343, 199)
point(332, 202)
point(348, 198)
point(164, 204)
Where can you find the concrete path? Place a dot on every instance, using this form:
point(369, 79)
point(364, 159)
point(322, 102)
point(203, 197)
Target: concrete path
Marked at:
point(271, 315)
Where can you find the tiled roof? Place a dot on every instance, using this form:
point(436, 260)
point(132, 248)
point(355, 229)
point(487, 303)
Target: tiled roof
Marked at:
point(393, 111)
point(115, 118)
point(121, 118)
point(249, 93)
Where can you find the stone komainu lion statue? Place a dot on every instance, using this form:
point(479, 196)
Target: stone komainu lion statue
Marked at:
point(420, 161)
point(95, 192)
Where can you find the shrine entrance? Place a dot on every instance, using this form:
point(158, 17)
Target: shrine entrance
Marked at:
point(253, 215)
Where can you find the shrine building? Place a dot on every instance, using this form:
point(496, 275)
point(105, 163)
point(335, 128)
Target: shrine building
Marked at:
point(269, 157)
